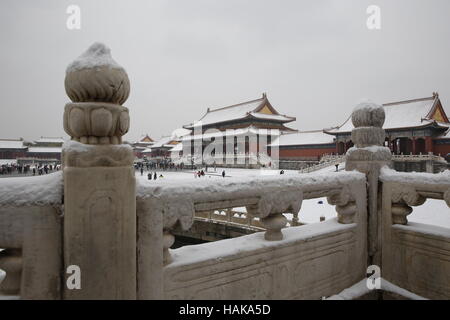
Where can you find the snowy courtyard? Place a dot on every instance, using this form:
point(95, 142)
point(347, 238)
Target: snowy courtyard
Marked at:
point(432, 212)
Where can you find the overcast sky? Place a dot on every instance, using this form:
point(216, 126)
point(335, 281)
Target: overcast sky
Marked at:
point(315, 59)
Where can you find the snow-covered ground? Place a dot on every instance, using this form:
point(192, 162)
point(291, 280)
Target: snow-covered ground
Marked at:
point(433, 212)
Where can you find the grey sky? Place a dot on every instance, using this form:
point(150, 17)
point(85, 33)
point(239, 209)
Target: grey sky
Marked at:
point(315, 59)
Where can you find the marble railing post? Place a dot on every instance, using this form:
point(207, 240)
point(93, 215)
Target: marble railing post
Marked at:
point(99, 182)
point(368, 156)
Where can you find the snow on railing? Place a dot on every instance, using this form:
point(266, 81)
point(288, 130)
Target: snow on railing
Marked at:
point(415, 255)
point(30, 234)
point(413, 189)
point(172, 205)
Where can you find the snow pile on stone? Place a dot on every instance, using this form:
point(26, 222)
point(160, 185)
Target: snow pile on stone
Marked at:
point(360, 289)
point(97, 55)
point(74, 146)
point(30, 191)
point(176, 198)
point(390, 175)
point(227, 249)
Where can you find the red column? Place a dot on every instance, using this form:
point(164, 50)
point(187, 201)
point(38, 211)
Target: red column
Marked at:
point(413, 145)
point(428, 144)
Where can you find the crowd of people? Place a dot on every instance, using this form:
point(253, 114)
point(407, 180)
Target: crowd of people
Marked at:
point(164, 166)
point(149, 167)
point(28, 169)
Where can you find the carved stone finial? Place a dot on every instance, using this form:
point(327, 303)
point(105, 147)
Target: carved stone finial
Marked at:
point(368, 119)
point(368, 114)
point(98, 87)
point(368, 137)
point(95, 76)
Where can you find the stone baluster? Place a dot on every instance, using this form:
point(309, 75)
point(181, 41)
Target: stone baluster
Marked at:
point(400, 211)
point(99, 181)
point(295, 219)
point(273, 224)
point(168, 241)
point(345, 206)
point(11, 263)
point(229, 214)
point(346, 213)
point(368, 156)
point(403, 199)
point(270, 209)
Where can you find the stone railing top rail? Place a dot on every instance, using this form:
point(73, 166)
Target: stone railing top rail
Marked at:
point(414, 188)
point(270, 194)
point(418, 156)
point(44, 190)
point(230, 249)
point(390, 175)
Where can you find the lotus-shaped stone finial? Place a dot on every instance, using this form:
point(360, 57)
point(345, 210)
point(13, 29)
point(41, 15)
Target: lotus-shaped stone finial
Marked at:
point(96, 77)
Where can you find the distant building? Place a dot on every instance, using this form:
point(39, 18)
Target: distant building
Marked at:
point(12, 149)
point(44, 149)
point(162, 149)
point(250, 126)
point(418, 126)
point(413, 127)
point(305, 145)
point(141, 145)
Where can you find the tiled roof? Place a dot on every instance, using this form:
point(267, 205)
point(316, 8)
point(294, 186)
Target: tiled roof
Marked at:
point(303, 138)
point(11, 144)
point(403, 114)
point(240, 111)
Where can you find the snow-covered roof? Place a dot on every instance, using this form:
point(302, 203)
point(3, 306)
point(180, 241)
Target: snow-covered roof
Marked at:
point(303, 138)
point(144, 140)
point(180, 132)
point(169, 141)
point(164, 141)
point(11, 144)
point(148, 150)
point(403, 114)
point(50, 140)
point(233, 132)
point(44, 149)
point(240, 111)
point(177, 148)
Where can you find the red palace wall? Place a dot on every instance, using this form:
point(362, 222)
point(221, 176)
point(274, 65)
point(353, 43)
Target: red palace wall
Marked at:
point(299, 153)
point(441, 147)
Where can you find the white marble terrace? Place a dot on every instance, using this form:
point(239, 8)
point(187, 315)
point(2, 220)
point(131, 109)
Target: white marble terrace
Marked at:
point(117, 229)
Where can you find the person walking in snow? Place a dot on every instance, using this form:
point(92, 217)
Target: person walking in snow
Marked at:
point(155, 176)
point(223, 173)
point(142, 170)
